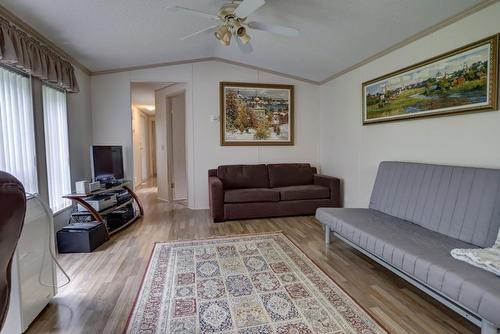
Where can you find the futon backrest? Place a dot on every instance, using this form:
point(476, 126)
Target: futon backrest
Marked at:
point(460, 202)
point(243, 176)
point(284, 175)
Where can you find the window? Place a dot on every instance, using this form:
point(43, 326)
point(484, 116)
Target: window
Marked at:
point(17, 132)
point(56, 147)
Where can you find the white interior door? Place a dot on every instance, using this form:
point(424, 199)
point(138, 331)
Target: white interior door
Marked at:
point(179, 172)
point(152, 147)
point(143, 148)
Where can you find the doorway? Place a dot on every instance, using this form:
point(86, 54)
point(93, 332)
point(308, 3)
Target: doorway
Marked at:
point(144, 131)
point(171, 143)
point(176, 139)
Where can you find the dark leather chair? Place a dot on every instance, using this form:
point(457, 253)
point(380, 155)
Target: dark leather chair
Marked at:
point(12, 211)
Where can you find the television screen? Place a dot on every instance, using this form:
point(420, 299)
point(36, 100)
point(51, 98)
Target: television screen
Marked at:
point(107, 161)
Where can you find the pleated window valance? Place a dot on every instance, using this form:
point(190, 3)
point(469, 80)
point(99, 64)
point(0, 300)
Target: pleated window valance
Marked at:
point(21, 50)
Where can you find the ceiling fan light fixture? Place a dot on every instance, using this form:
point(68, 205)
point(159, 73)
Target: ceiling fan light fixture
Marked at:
point(226, 39)
point(221, 32)
point(232, 21)
point(237, 28)
point(245, 38)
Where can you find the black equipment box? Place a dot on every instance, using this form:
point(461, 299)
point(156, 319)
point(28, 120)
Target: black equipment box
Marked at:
point(120, 217)
point(122, 195)
point(81, 237)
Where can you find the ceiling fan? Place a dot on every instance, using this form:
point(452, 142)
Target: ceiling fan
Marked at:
point(232, 18)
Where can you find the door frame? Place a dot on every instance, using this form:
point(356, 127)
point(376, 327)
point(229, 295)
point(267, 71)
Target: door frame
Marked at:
point(170, 144)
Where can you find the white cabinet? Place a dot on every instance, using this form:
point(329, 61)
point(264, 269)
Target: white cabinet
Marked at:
point(33, 271)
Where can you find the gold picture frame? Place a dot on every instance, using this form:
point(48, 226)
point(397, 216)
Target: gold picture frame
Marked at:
point(256, 114)
point(459, 81)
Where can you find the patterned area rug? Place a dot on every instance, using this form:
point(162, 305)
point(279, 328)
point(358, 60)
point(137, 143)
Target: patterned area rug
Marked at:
point(255, 284)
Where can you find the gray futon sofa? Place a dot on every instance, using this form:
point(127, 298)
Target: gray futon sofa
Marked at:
point(417, 214)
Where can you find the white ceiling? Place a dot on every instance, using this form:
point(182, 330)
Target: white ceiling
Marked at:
point(335, 34)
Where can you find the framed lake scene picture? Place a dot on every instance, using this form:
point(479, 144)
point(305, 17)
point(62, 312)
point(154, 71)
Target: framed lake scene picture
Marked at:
point(256, 114)
point(459, 81)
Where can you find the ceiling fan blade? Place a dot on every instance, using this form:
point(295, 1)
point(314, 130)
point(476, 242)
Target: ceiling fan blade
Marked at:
point(209, 29)
point(280, 30)
point(245, 48)
point(192, 12)
point(247, 7)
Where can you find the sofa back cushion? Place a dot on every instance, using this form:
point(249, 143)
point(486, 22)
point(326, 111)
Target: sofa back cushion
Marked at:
point(243, 176)
point(284, 175)
point(460, 202)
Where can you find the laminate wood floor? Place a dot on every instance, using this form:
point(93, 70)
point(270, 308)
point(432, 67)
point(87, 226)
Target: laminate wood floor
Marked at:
point(105, 282)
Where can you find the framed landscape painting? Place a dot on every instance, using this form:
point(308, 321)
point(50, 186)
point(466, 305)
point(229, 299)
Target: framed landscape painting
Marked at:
point(256, 114)
point(462, 80)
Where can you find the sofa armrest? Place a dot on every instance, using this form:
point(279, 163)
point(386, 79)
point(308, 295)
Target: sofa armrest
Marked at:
point(333, 184)
point(216, 195)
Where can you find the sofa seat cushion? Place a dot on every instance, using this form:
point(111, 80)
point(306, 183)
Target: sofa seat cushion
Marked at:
point(251, 195)
point(310, 191)
point(421, 253)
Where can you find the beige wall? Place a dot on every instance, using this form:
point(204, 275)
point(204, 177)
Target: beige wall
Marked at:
point(80, 138)
point(80, 129)
point(111, 107)
point(352, 151)
point(208, 152)
point(112, 115)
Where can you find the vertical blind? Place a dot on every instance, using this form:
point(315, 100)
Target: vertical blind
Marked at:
point(56, 147)
point(17, 131)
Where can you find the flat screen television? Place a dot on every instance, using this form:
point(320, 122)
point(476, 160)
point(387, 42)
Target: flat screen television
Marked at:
point(107, 162)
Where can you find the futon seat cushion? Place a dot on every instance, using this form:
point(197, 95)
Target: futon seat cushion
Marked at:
point(310, 191)
point(251, 195)
point(422, 253)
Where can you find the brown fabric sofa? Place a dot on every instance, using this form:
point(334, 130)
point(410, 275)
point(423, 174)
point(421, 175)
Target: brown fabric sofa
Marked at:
point(256, 191)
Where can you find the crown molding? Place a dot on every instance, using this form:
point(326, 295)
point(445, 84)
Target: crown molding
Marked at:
point(149, 66)
point(205, 59)
point(266, 70)
point(31, 31)
point(469, 11)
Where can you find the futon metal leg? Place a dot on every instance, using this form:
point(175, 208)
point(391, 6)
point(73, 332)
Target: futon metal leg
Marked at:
point(328, 234)
point(488, 328)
